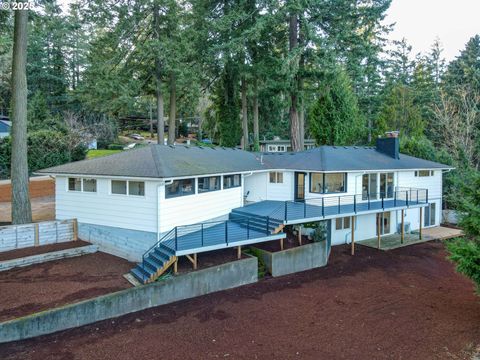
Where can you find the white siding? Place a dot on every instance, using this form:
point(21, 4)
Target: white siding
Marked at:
point(102, 208)
point(191, 209)
point(256, 185)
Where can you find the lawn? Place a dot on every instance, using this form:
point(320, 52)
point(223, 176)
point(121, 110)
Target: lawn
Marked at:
point(92, 154)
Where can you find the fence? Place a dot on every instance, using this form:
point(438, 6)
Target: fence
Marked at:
point(43, 233)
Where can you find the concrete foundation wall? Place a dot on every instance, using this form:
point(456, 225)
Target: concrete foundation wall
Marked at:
point(125, 243)
point(297, 259)
point(177, 288)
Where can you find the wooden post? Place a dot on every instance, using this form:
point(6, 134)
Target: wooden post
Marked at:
point(239, 252)
point(300, 235)
point(75, 229)
point(175, 266)
point(353, 234)
point(281, 244)
point(195, 263)
point(379, 231)
point(403, 226)
point(421, 221)
point(37, 235)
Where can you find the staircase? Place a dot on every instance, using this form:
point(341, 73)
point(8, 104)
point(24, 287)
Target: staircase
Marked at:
point(162, 255)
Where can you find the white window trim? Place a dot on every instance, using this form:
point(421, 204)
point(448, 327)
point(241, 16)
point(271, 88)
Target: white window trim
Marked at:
point(81, 191)
point(276, 182)
point(127, 189)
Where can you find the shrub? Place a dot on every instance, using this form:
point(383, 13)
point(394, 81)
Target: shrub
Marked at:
point(320, 232)
point(115, 147)
point(466, 254)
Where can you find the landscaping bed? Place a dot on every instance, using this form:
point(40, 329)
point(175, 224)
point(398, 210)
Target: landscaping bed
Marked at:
point(404, 304)
point(36, 250)
point(208, 259)
point(291, 241)
point(39, 287)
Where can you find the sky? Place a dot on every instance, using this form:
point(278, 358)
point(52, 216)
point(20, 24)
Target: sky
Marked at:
point(454, 22)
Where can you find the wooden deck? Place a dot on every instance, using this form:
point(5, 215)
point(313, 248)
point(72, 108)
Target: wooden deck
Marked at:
point(389, 242)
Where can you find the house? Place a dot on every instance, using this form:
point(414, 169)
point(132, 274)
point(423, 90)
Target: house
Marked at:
point(5, 126)
point(160, 202)
point(279, 145)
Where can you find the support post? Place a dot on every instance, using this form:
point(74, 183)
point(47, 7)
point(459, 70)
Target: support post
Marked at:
point(75, 229)
point(421, 221)
point(353, 234)
point(195, 261)
point(281, 244)
point(403, 226)
point(300, 235)
point(37, 235)
point(379, 232)
point(175, 266)
point(239, 252)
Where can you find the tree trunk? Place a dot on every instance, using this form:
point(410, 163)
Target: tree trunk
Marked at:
point(173, 110)
point(294, 123)
point(158, 79)
point(21, 208)
point(244, 115)
point(151, 118)
point(256, 135)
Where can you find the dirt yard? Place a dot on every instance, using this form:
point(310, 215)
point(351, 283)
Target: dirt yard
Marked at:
point(35, 250)
point(40, 287)
point(42, 197)
point(403, 304)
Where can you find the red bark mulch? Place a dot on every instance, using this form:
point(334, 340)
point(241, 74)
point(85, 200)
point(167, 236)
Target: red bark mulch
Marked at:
point(39, 287)
point(403, 304)
point(36, 250)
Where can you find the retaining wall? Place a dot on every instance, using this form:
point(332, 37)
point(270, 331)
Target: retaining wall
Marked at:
point(301, 258)
point(43, 233)
point(177, 288)
point(51, 256)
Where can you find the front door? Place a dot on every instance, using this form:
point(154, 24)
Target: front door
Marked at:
point(299, 186)
point(384, 223)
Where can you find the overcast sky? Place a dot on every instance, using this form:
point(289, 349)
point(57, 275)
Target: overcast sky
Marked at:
point(421, 21)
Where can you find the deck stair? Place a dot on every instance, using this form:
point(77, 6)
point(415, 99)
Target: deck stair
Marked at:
point(163, 255)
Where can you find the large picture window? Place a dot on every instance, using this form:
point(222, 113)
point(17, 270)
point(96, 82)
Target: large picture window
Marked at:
point(386, 185)
point(328, 183)
point(231, 181)
point(180, 188)
point(369, 186)
point(124, 187)
point(206, 184)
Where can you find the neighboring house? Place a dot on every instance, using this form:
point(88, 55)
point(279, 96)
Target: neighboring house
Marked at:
point(186, 200)
point(279, 145)
point(5, 126)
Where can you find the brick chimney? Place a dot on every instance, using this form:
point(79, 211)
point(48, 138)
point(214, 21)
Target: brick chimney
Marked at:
point(389, 145)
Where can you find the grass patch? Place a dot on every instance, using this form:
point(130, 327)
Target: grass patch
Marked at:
point(262, 269)
point(92, 154)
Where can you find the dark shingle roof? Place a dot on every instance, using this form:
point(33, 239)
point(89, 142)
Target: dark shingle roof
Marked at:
point(343, 158)
point(159, 161)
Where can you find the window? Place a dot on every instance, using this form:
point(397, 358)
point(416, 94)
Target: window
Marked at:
point(180, 188)
point(316, 183)
point(231, 181)
point(424, 173)
point(386, 185)
point(281, 148)
point(119, 187)
point(342, 223)
point(74, 184)
point(272, 148)
point(208, 184)
point(369, 186)
point(276, 177)
point(136, 188)
point(327, 183)
point(89, 185)
point(430, 212)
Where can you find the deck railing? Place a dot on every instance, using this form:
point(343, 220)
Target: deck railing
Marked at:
point(214, 233)
point(327, 206)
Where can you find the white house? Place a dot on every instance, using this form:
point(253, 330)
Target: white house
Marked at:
point(282, 145)
point(185, 200)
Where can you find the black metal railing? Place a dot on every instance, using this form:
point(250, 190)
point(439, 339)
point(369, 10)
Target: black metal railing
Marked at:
point(212, 233)
point(326, 206)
